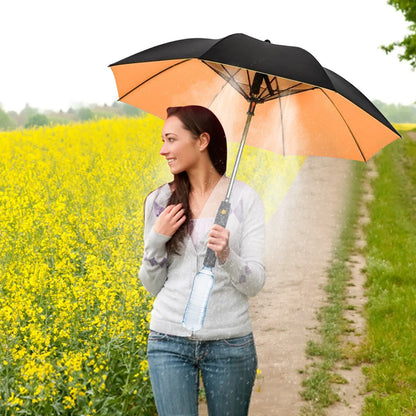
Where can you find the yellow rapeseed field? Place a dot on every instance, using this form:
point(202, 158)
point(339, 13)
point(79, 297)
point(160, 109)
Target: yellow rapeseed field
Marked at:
point(73, 315)
point(404, 126)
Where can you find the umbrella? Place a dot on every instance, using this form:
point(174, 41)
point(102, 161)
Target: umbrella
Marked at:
point(300, 107)
point(306, 109)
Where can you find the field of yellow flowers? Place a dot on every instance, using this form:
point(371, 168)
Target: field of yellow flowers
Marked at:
point(73, 315)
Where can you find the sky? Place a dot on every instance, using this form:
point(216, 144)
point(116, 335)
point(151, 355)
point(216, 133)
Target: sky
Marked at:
point(55, 53)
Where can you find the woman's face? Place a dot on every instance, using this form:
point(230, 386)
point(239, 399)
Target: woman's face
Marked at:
point(180, 148)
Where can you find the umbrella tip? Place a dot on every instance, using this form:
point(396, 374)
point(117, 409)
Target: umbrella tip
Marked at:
point(267, 40)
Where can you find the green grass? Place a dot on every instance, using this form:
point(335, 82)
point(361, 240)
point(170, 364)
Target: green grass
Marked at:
point(321, 376)
point(388, 353)
point(390, 347)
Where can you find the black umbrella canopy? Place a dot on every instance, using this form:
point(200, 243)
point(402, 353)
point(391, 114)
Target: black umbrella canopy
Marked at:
point(240, 50)
point(305, 108)
point(348, 91)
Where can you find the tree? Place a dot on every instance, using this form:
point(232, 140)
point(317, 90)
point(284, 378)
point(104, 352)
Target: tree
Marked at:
point(408, 8)
point(37, 120)
point(85, 114)
point(6, 123)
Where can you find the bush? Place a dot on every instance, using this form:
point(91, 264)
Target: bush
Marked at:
point(37, 120)
point(6, 123)
point(85, 114)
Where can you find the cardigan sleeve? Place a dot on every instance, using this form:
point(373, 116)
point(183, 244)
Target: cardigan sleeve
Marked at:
point(246, 268)
point(153, 270)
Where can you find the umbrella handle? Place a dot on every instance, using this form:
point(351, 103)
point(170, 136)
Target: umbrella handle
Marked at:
point(220, 219)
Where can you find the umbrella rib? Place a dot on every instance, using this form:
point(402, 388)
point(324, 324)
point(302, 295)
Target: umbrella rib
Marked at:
point(150, 78)
point(283, 128)
point(346, 124)
point(282, 93)
point(281, 117)
point(278, 93)
point(234, 83)
point(218, 93)
point(224, 72)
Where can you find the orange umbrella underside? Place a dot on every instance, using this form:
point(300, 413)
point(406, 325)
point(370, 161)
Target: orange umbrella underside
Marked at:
point(317, 121)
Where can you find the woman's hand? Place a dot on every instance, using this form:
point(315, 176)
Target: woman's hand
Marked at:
point(171, 218)
point(218, 239)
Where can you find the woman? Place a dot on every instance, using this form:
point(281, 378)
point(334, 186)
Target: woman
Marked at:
point(179, 227)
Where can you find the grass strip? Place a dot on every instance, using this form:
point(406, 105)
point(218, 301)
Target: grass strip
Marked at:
point(321, 376)
point(390, 346)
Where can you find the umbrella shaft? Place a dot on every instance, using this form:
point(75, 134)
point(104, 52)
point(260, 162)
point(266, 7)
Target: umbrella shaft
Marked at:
point(224, 209)
point(250, 114)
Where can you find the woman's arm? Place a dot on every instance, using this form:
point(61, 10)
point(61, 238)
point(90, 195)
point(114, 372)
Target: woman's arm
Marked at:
point(153, 270)
point(246, 268)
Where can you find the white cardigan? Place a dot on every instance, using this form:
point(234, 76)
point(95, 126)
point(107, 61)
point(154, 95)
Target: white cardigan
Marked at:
point(170, 277)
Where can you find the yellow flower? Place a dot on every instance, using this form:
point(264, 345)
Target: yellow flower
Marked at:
point(71, 240)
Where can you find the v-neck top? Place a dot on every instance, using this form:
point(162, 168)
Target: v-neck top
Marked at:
point(200, 229)
point(169, 277)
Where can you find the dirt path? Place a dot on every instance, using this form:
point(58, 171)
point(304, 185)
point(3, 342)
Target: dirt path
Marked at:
point(300, 241)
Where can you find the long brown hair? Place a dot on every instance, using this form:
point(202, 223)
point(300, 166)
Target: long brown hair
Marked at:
point(197, 120)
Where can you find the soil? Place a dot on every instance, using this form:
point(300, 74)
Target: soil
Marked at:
point(412, 134)
point(301, 237)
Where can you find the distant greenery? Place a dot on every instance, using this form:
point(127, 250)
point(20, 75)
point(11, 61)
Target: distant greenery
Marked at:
point(32, 117)
point(6, 123)
point(37, 120)
point(397, 113)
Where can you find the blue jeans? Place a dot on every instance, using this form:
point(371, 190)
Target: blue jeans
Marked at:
point(227, 367)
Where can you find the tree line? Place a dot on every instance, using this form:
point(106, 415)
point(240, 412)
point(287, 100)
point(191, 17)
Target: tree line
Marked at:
point(31, 117)
point(397, 113)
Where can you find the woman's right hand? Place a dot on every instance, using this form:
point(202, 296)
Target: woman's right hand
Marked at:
point(171, 218)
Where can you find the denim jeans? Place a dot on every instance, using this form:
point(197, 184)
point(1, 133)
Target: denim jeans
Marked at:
point(227, 367)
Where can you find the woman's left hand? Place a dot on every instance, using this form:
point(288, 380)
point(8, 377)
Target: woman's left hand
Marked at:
point(218, 239)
